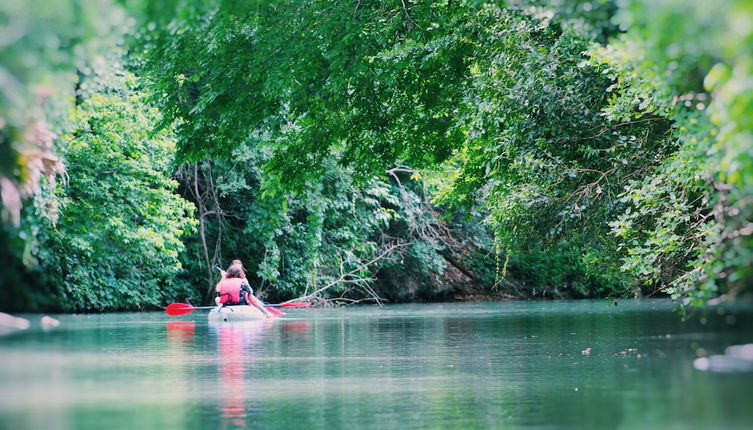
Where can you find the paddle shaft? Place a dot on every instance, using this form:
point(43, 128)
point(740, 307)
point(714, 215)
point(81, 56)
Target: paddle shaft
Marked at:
point(276, 305)
point(177, 309)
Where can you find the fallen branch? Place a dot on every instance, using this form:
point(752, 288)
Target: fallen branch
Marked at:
point(352, 277)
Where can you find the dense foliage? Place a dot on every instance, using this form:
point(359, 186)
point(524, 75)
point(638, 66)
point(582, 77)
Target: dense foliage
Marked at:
point(586, 165)
point(353, 148)
point(498, 94)
point(333, 237)
point(117, 239)
point(690, 62)
point(45, 50)
point(43, 43)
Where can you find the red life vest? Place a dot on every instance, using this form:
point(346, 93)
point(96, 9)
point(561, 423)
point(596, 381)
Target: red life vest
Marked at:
point(230, 291)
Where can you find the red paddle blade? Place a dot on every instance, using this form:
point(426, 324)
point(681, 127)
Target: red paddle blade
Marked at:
point(295, 305)
point(275, 312)
point(177, 309)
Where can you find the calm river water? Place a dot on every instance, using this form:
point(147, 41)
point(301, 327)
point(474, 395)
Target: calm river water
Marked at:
point(516, 365)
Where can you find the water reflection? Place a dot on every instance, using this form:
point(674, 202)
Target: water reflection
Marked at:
point(293, 329)
point(503, 365)
point(234, 350)
point(236, 342)
point(180, 332)
point(736, 358)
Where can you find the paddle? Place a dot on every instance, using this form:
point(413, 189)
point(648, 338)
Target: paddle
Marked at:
point(275, 312)
point(272, 308)
point(290, 305)
point(177, 309)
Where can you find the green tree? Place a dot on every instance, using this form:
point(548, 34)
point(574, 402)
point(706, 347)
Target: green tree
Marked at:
point(498, 93)
point(43, 45)
point(689, 62)
point(46, 48)
point(604, 161)
point(334, 237)
point(117, 240)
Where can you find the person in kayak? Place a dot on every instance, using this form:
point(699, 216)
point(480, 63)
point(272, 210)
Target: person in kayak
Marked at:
point(233, 289)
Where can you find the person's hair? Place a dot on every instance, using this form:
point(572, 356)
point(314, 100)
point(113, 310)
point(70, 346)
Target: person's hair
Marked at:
point(239, 265)
point(233, 272)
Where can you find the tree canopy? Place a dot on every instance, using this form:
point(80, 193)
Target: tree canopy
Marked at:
point(604, 147)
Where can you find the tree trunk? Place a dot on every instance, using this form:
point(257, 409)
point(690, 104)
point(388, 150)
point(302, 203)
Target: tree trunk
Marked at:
point(202, 228)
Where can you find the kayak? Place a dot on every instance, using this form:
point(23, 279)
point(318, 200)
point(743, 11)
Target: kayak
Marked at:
point(235, 313)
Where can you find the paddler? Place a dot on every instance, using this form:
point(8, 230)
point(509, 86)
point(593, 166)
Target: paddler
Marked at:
point(233, 289)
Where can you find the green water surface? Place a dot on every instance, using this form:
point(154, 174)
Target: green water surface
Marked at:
point(513, 365)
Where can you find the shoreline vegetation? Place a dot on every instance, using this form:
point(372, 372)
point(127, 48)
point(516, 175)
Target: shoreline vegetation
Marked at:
point(374, 152)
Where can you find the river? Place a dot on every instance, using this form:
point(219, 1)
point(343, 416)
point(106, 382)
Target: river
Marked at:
point(517, 365)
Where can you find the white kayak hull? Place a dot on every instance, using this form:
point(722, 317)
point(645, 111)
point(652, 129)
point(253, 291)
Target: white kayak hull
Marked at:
point(235, 313)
